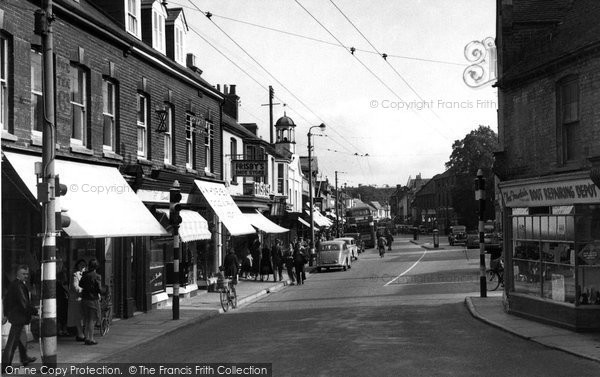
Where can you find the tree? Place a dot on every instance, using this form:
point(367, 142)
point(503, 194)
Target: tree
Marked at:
point(470, 154)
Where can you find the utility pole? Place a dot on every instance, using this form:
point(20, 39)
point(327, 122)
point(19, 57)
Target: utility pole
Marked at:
point(271, 113)
point(175, 220)
point(337, 206)
point(480, 196)
point(47, 190)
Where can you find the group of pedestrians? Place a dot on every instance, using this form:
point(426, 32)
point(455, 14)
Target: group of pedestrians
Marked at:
point(261, 262)
point(83, 308)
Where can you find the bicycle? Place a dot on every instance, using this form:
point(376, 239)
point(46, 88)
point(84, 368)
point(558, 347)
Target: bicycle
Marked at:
point(227, 293)
point(495, 276)
point(106, 313)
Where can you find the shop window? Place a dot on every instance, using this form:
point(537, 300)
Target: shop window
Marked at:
point(556, 257)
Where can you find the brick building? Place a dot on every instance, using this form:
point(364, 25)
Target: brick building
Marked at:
point(133, 115)
point(549, 133)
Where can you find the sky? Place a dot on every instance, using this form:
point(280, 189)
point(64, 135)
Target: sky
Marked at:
point(386, 119)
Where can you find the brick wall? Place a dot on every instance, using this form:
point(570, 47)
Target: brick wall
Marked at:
point(75, 44)
point(530, 120)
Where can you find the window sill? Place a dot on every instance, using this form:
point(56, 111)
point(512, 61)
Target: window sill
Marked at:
point(112, 155)
point(81, 150)
point(191, 171)
point(36, 139)
point(209, 174)
point(143, 161)
point(9, 136)
point(170, 167)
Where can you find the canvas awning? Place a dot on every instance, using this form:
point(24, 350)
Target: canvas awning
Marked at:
point(262, 223)
point(222, 203)
point(99, 202)
point(193, 226)
point(319, 219)
point(301, 220)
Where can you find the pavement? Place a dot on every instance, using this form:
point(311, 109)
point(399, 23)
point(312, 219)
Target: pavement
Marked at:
point(145, 327)
point(491, 310)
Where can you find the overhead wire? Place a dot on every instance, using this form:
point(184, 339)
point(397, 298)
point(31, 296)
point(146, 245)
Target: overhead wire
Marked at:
point(324, 41)
point(255, 80)
point(384, 56)
point(209, 16)
point(365, 66)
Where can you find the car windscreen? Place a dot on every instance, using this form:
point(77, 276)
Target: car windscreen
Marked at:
point(459, 229)
point(330, 247)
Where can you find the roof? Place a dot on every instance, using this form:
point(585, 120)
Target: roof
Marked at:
point(577, 31)
point(376, 205)
point(285, 122)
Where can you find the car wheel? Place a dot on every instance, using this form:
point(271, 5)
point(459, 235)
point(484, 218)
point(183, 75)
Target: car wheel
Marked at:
point(345, 266)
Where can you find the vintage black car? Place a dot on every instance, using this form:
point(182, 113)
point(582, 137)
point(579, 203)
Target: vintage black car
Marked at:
point(457, 235)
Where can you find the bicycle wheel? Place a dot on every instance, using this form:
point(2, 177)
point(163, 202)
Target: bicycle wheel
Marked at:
point(104, 326)
point(493, 280)
point(224, 297)
point(233, 297)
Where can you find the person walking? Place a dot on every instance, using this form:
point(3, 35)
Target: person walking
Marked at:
point(266, 263)
point(256, 253)
point(389, 239)
point(277, 257)
point(90, 300)
point(289, 263)
point(19, 310)
point(299, 262)
point(74, 317)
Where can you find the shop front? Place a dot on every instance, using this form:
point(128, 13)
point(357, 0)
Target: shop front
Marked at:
point(552, 245)
point(108, 222)
point(228, 226)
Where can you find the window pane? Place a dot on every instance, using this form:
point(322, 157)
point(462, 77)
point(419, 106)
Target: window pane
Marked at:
point(141, 137)
point(36, 71)
point(141, 111)
point(77, 123)
point(37, 112)
point(108, 130)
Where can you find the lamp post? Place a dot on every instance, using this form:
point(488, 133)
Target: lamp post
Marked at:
point(310, 193)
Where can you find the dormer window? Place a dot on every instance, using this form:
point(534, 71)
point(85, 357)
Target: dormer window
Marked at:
point(179, 46)
point(176, 31)
point(158, 27)
point(133, 10)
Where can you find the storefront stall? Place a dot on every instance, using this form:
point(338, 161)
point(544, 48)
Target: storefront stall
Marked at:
point(227, 220)
point(553, 249)
point(108, 222)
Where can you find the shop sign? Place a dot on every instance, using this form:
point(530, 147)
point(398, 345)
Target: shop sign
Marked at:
point(157, 279)
point(551, 193)
point(249, 168)
point(591, 253)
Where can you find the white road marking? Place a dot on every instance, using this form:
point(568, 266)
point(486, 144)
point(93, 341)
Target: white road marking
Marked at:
point(405, 272)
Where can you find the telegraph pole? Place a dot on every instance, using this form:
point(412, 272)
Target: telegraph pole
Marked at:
point(175, 220)
point(480, 196)
point(46, 189)
point(271, 113)
point(337, 206)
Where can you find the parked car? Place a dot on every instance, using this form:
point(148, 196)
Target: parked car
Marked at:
point(352, 247)
point(492, 239)
point(457, 235)
point(472, 240)
point(333, 254)
point(360, 245)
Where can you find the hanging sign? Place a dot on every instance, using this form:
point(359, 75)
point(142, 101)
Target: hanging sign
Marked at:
point(249, 168)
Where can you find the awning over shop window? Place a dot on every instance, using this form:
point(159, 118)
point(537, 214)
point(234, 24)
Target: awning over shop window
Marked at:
point(99, 201)
point(320, 220)
point(262, 223)
point(193, 226)
point(301, 220)
point(222, 203)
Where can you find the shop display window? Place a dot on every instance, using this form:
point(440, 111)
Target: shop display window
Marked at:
point(556, 255)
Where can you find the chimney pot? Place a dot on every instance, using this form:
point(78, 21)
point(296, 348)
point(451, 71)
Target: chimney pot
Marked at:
point(231, 89)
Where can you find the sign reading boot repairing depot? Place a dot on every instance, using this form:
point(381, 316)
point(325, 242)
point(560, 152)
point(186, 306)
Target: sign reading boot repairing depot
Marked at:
point(535, 193)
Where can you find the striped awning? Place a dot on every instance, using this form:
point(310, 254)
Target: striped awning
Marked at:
point(193, 227)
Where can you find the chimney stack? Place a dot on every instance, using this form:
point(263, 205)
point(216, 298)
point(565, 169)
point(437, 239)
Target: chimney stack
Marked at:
point(231, 102)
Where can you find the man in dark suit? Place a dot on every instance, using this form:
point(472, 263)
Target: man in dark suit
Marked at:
point(19, 311)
